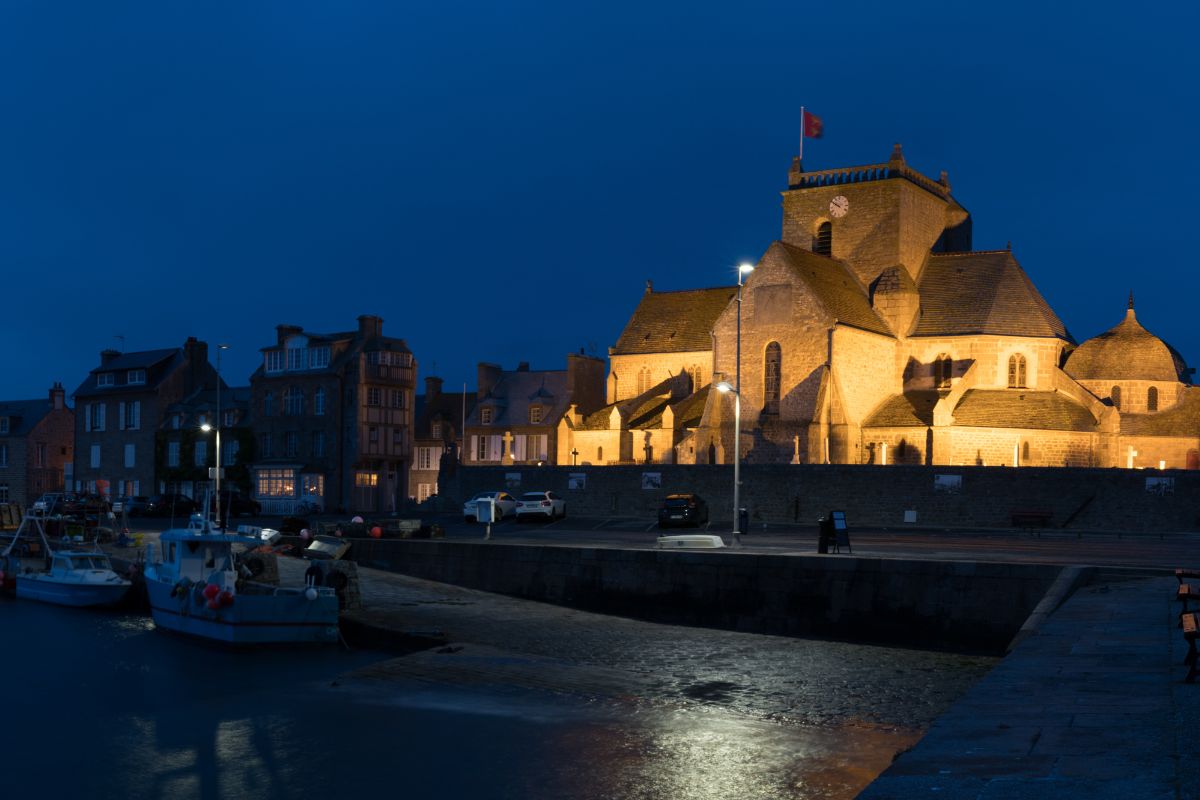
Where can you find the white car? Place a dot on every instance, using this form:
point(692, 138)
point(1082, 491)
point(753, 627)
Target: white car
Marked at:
point(505, 505)
point(541, 504)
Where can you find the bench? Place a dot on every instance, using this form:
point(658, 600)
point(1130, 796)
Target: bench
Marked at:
point(1190, 623)
point(1185, 592)
point(1030, 518)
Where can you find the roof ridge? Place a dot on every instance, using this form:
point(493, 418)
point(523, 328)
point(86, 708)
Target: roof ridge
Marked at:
point(704, 289)
point(970, 253)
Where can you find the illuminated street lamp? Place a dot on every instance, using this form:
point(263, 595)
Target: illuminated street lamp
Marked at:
point(736, 389)
point(206, 427)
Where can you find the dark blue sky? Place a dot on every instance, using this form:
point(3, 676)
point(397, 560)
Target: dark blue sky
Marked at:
point(497, 181)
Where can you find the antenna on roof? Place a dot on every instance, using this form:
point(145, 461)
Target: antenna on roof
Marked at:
point(122, 338)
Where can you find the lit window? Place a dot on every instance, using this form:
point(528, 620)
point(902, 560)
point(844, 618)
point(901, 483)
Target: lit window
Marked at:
point(275, 483)
point(1016, 371)
point(535, 414)
point(366, 479)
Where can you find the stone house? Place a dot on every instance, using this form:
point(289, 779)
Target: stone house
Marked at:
point(517, 412)
point(186, 452)
point(37, 440)
point(437, 437)
point(872, 332)
point(333, 419)
point(120, 407)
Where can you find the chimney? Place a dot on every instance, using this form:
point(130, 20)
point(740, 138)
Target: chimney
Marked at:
point(285, 332)
point(523, 366)
point(108, 355)
point(585, 382)
point(370, 326)
point(57, 396)
point(433, 388)
point(196, 353)
point(487, 376)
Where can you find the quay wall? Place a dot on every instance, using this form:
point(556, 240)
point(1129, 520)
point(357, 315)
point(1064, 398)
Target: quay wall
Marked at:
point(876, 496)
point(955, 605)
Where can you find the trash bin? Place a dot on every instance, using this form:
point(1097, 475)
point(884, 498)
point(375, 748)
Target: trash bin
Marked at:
point(743, 521)
point(825, 534)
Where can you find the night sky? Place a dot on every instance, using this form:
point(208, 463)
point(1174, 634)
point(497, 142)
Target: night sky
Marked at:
point(498, 180)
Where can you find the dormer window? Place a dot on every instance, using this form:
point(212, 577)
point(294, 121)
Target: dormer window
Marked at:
point(229, 418)
point(297, 353)
point(318, 357)
point(535, 414)
point(485, 416)
point(136, 376)
point(273, 361)
point(104, 379)
point(176, 421)
point(435, 430)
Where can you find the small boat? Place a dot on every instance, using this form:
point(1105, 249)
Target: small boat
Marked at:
point(75, 578)
point(65, 574)
point(199, 583)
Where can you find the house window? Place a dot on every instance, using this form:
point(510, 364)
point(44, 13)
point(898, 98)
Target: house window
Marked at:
point(481, 449)
point(293, 401)
point(366, 479)
point(535, 414)
point(104, 379)
point(435, 430)
point(39, 455)
point(398, 437)
point(424, 490)
point(130, 455)
point(96, 416)
point(297, 354)
point(373, 435)
point(228, 418)
point(1152, 399)
point(823, 242)
point(3, 492)
point(132, 415)
point(94, 461)
point(1116, 396)
point(312, 485)
point(4, 425)
point(4, 455)
point(201, 454)
point(772, 363)
point(943, 368)
point(172, 454)
point(424, 458)
point(230, 453)
point(1025, 453)
point(291, 443)
point(397, 398)
point(374, 396)
point(269, 404)
point(318, 357)
point(176, 421)
point(319, 401)
point(1016, 371)
point(135, 376)
point(318, 444)
point(274, 361)
point(264, 445)
point(275, 483)
point(485, 416)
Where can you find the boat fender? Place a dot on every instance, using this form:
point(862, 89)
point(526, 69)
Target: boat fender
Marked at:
point(211, 591)
point(310, 593)
point(225, 599)
point(213, 605)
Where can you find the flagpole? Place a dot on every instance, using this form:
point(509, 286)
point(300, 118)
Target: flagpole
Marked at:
point(801, 137)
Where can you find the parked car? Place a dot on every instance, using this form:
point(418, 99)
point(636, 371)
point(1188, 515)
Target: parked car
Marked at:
point(682, 509)
point(83, 505)
point(49, 503)
point(132, 506)
point(236, 504)
point(541, 504)
point(506, 504)
point(170, 505)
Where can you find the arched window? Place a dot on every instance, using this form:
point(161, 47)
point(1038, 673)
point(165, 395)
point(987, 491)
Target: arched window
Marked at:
point(943, 366)
point(600, 454)
point(823, 242)
point(1016, 371)
point(771, 368)
point(1152, 399)
point(1116, 396)
point(643, 380)
point(1025, 453)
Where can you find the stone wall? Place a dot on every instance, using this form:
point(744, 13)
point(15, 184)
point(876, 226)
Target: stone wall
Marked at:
point(875, 496)
point(915, 603)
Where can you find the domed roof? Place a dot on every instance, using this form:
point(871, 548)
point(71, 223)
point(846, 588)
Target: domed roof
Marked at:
point(1126, 352)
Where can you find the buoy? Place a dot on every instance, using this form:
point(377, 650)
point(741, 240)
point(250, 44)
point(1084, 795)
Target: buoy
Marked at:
point(357, 519)
point(226, 598)
point(376, 532)
point(338, 532)
point(211, 591)
point(213, 605)
point(304, 534)
point(310, 593)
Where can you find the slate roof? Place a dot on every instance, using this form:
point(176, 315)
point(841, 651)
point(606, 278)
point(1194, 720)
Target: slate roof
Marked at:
point(649, 413)
point(1015, 408)
point(1126, 352)
point(674, 322)
point(690, 409)
point(835, 287)
point(512, 395)
point(447, 405)
point(157, 363)
point(1182, 419)
point(904, 410)
point(24, 415)
point(983, 293)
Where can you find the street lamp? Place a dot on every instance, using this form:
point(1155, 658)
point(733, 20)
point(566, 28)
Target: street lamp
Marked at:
point(742, 271)
point(206, 428)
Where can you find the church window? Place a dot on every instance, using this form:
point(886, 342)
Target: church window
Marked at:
point(1116, 396)
point(1025, 453)
point(823, 243)
point(771, 369)
point(1016, 371)
point(943, 366)
point(1152, 399)
point(600, 454)
point(643, 380)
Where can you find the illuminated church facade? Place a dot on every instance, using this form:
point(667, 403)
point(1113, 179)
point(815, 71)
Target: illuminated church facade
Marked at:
point(871, 332)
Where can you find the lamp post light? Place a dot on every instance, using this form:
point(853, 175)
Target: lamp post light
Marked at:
point(217, 470)
point(742, 271)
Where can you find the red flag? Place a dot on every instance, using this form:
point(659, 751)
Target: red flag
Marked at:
point(813, 127)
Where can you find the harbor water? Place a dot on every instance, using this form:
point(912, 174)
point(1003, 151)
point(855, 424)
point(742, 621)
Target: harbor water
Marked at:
point(99, 704)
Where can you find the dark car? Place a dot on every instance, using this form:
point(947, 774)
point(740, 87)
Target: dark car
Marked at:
point(84, 505)
point(170, 505)
point(683, 509)
point(236, 504)
point(132, 506)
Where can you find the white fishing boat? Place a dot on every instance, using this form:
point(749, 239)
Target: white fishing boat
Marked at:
point(65, 573)
point(199, 583)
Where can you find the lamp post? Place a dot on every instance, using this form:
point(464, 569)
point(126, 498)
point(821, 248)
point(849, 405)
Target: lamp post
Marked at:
point(217, 469)
point(723, 386)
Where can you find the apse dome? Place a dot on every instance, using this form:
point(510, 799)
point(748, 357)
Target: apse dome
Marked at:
point(1126, 352)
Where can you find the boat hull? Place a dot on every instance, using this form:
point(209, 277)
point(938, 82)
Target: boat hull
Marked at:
point(67, 593)
point(287, 616)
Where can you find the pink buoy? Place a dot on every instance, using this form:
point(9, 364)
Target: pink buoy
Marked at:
point(357, 519)
point(304, 534)
point(338, 532)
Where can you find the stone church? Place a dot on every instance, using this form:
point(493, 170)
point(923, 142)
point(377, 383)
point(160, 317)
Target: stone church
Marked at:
point(872, 332)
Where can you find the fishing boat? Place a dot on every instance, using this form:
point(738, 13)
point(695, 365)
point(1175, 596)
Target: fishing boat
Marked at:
point(199, 582)
point(65, 573)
